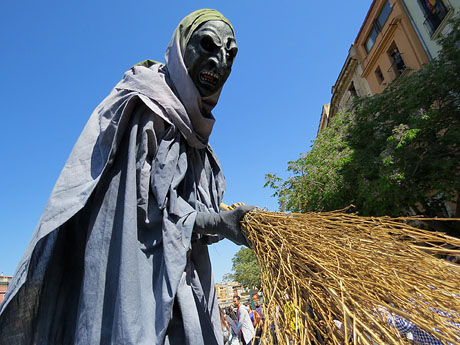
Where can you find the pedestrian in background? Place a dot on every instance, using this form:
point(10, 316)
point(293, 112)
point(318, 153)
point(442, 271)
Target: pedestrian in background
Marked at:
point(244, 326)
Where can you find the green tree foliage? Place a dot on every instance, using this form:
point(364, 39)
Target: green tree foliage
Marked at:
point(406, 140)
point(245, 269)
point(317, 183)
point(397, 154)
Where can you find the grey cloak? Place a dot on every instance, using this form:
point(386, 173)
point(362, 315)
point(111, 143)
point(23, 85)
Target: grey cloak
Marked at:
point(114, 259)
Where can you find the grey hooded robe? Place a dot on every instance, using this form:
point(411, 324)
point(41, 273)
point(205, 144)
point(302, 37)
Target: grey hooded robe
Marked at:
point(114, 259)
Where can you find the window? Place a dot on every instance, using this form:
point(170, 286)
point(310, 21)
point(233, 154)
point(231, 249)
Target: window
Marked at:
point(397, 64)
point(435, 11)
point(384, 14)
point(379, 75)
point(377, 25)
point(371, 39)
point(352, 90)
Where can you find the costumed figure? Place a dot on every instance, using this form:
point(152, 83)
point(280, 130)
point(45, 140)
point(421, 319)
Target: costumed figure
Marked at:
point(120, 253)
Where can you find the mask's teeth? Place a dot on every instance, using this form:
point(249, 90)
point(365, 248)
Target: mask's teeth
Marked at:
point(210, 77)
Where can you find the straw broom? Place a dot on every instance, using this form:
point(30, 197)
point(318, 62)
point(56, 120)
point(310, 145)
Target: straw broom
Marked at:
point(338, 278)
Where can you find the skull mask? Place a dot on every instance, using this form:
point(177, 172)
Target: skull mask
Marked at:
point(209, 56)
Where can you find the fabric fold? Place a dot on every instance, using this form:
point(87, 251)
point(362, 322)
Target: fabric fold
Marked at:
point(113, 259)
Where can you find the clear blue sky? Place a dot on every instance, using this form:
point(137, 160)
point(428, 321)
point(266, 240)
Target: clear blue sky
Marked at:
point(59, 59)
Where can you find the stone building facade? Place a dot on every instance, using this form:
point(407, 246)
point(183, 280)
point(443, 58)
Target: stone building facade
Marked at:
point(4, 282)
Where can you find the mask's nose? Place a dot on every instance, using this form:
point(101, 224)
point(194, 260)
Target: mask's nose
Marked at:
point(220, 61)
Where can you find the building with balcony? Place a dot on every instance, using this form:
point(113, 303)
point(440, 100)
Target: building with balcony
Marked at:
point(396, 38)
point(430, 20)
point(388, 45)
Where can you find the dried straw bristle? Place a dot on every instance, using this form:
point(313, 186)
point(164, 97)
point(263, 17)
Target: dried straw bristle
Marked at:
point(319, 269)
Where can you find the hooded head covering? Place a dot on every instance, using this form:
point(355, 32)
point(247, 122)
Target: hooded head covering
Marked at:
point(198, 108)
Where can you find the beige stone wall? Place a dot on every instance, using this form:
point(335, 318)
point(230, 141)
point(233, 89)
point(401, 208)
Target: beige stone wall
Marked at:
point(361, 84)
point(324, 117)
point(349, 84)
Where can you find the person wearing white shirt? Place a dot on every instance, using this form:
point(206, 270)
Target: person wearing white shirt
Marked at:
point(245, 329)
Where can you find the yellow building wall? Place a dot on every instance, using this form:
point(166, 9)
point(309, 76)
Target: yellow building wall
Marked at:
point(398, 31)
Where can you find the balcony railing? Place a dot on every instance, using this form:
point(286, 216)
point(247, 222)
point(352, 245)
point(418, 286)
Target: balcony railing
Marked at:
point(435, 18)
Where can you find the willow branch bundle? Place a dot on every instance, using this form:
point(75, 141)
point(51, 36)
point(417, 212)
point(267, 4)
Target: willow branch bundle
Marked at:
point(338, 278)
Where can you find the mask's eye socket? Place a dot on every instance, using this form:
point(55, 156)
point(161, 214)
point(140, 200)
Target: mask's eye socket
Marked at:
point(232, 53)
point(208, 44)
point(231, 48)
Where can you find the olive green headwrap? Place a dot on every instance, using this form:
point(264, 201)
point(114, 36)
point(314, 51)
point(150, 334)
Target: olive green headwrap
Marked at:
point(187, 27)
point(190, 23)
